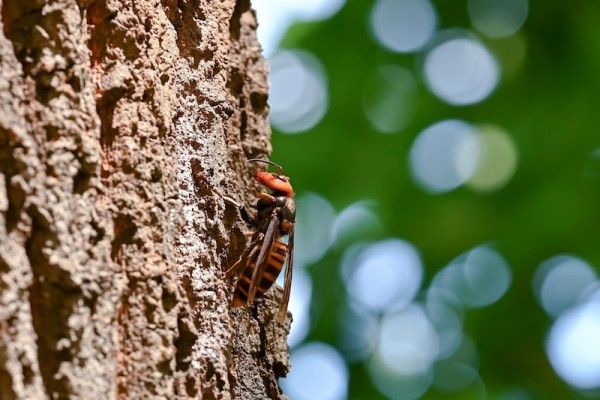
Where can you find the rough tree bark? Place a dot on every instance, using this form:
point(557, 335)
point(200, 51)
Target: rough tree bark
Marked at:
point(120, 121)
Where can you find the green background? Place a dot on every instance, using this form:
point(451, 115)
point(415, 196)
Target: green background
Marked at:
point(548, 103)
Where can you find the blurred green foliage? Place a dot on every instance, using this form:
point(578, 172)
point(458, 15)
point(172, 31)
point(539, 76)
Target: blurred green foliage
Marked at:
point(547, 102)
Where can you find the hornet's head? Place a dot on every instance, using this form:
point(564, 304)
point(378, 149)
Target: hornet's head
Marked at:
point(274, 181)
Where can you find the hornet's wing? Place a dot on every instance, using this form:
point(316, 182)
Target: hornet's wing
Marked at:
point(263, 256)
point(287, 284)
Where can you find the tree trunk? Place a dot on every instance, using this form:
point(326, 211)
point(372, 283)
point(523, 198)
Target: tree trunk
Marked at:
point(121, 123)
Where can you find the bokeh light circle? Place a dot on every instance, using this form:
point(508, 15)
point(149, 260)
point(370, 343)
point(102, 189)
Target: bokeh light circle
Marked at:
point(313, 10)
point(319, 373)
point(496, 156)
point(390, 98)
point(461, 71)
point(561, 281)
point(315, 217)
point(446, 315)
point(408, 342)
point(478, 278)
point(573, 345)
point(452, 152)
point(487, 277)
point(437, 157)
point(385, 276)
point(299, 306)
point(357, 221)
point(591, 169)
point(403, 25)
point(395, 386)
point(452, 376)
point(498, 19)
point(298, 95)
point(276, 16)
point(359, 330)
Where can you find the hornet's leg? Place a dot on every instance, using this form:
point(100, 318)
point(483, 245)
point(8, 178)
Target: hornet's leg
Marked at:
point(248, 253)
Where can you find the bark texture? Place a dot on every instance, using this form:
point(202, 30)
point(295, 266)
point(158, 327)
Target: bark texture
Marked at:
point(120, 124)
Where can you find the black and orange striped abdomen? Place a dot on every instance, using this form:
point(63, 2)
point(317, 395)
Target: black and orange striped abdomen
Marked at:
point(274, 267)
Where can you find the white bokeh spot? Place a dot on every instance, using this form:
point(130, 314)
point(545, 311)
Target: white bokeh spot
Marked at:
point(461, 71)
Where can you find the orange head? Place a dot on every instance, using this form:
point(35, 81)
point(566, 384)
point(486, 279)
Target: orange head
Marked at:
point(276, 182)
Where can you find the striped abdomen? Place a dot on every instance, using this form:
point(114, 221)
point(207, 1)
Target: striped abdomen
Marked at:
point(274, 266)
